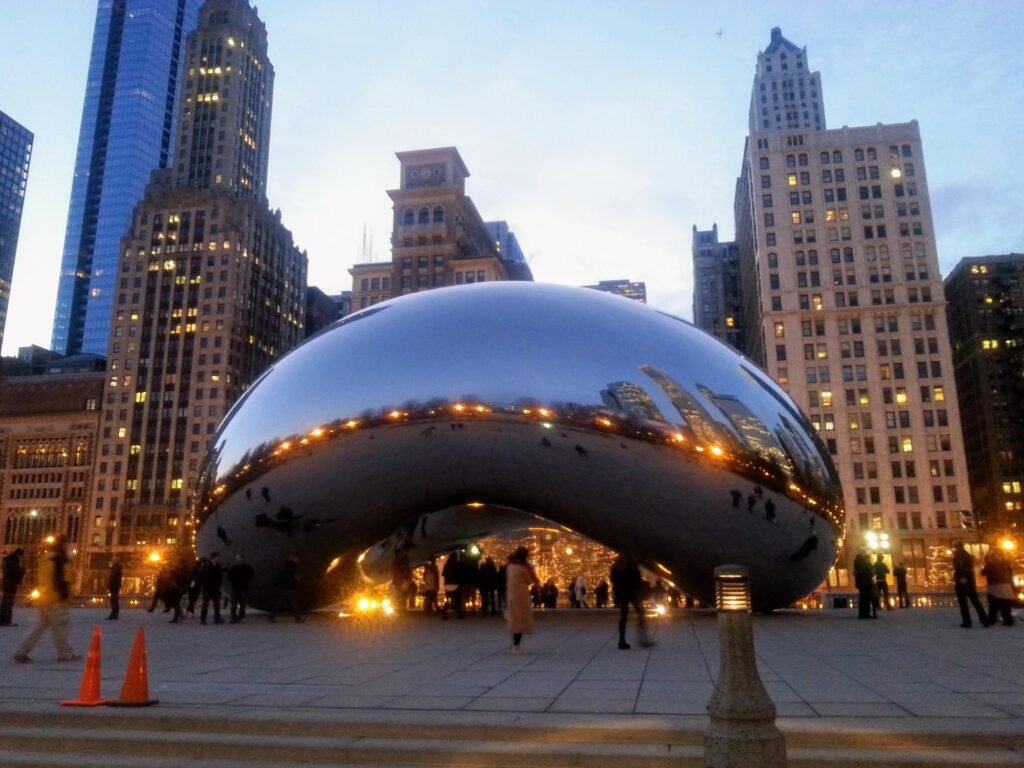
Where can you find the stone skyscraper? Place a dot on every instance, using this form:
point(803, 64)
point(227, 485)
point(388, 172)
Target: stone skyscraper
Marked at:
point(786, 94)
point(128, 129)
point(717, 303)
point(843, 306)
point(210, 291)
point(986, 325)
point(15, 155)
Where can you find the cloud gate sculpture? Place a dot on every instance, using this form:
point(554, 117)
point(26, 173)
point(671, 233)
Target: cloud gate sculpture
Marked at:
point(435, 419)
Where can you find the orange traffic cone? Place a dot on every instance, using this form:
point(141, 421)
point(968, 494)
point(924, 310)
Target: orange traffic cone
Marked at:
point(135, 690)
point(89, 693)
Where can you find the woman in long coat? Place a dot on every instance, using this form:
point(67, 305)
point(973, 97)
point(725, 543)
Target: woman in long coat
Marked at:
point(519, 613)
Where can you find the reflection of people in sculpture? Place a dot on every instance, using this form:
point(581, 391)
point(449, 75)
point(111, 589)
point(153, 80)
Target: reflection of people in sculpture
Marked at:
point(520, 578)
point(627, 590)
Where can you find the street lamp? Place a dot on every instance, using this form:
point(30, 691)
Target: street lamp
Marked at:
point(742, 732)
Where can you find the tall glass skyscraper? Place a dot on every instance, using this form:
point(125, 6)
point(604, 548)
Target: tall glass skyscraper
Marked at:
point(15, 153)
point(128, 125)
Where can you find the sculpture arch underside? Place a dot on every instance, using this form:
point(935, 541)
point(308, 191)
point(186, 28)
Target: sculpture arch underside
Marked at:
point(440, 418)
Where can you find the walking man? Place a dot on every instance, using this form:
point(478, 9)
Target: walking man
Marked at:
point(881, 581)
point(864, 578)
point(902, 596)
point(627, 585)
point(13, 572)
point(966, 588)
point(114, 587)
point(210, 578)
point(54, 594)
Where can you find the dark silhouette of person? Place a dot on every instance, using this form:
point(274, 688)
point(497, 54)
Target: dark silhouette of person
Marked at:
point(881, 581)
point(13, 573)
point(287, 582)
point(864, 579)
point(195, 586)
point(546, 595)
point(751, 501)
point(240, 574)
point(966, 588)
point(431, 580)
point(454, 577)
point(737, 497)
point(114, 580)
point(401, 580)
point(211, 579)
point(502, 587)
point(601, 594)
point(159, 586)
point(52, 606)
point(488, 578)
point(902, 595)
point(769, 511)
point(265, 493)
point(998, 571)
point(175, 585)
point(627, 590)
point(810, 544)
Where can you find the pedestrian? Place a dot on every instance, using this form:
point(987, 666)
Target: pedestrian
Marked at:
point(114, 587)
point(769, 511)
point(240, 574)
point(453, 573)
point(900, 574)
point(601, 594)
point(966, 588)
point(627, 590)
point(431, 582)
point(174, 588)
point(159, 586)
point(401, 579)
point(579, 589)
point(881, 582)
point(519, 614)
point(998, 571)
point(195, 587)
point(52, 604)
point(287, 582)
point(488, 578)
point(13, 573)
point(211, 578)
point(864, 579)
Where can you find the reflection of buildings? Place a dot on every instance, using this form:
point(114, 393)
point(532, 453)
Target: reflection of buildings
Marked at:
point(322, 310)
point(716, 287)
point(438, 237)
point(136, 69)
point(843, 305)
point(699, 418)
point(631, 400)
point(15, 155)
point(511, 254)
point(986, 323)
point(213, 292)
point(48, 429)
point(751, 430)
point(631, 290)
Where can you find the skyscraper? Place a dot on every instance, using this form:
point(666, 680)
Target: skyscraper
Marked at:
point(717, 303)
point(509, 251)
point(210, 291)
point(127, 130)
point(843, 306)
point(438, 237)
point(786, 94)
point(986, 326)
point(624, 288)
point(15, 155)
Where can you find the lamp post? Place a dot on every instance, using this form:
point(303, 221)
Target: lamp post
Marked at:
point(742, 732)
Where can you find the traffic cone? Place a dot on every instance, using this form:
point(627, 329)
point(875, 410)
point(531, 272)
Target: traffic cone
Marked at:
point(135, 689)
point(89, 693)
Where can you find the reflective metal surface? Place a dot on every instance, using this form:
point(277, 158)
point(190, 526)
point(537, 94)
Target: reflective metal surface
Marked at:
point(448, 415)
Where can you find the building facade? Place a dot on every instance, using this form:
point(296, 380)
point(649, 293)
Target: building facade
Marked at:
point(985, 296)
point(48, 429)
point(321, 310)
point(210, 291)
point(15, 156)
point(717, 302)
point(438, 237)
point(843, 306)
point(127, 129)
point(507, 246)
point(786, 94)
point(625, 288)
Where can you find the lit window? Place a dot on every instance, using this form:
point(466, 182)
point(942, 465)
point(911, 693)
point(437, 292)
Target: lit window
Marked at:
point(908, 445)
point(780, 330)
point(791, 179)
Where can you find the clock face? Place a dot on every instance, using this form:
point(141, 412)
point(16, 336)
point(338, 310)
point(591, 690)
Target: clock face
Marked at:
point(425, 173)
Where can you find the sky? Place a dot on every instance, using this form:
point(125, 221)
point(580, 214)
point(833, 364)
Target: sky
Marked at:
point(601, 131)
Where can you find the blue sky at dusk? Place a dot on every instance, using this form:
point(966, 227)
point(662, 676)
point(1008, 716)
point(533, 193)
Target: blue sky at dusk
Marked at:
point(601, 131)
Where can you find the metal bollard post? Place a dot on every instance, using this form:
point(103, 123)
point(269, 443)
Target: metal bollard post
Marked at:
point(742, 733)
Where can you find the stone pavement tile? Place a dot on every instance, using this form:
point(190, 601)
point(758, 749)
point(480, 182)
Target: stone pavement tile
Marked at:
point(857, 709)
point(530, 684)
point(350, 701)
point(597, 686)
point(951, 706)
point(393, 685)
point(681, 707)
point(511, 704)
point(794, 709)
point(435, 703)
point(836, 692)
point(276, 699)
point(611, 705)
point(779, 692)
point(448, 687)
point(1011, 703)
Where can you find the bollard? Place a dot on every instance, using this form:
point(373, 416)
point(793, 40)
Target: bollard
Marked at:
point(742, 732)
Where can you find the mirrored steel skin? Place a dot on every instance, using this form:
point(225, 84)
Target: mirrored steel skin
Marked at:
point(442, 417)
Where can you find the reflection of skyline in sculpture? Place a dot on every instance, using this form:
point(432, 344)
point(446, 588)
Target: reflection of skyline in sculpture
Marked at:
point(631, 400)
point(699, 418)
point(469, 438)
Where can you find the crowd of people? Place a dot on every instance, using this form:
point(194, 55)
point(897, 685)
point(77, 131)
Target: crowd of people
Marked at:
point(512, 590)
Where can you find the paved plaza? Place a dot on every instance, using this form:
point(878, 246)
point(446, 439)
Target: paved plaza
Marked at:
point(909, 672)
